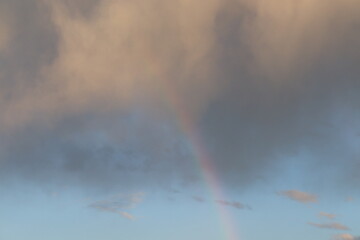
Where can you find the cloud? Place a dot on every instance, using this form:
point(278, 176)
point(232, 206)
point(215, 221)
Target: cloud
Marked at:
point(174, 191)
point(119, 203)
point(287, 35)
point(335, 226)
point(99, 57)
point(345, 236)
point(327, 215)
point(198, 199)
point(233, 204)
point(102, 93)
point(237, 205)
point(5, 34)
point(299, 196)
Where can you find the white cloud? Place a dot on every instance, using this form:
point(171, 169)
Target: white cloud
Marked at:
point(119, 203)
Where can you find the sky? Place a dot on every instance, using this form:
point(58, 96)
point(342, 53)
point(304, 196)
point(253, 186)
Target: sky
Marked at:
point(179, 119)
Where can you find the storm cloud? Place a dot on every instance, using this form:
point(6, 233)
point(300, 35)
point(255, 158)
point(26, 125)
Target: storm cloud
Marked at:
point(90, 90)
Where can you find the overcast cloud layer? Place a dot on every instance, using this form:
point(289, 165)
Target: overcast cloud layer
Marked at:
point(87, 89)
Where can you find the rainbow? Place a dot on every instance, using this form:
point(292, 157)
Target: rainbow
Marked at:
point(203, 159)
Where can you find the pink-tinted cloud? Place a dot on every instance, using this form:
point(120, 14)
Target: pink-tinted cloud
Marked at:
point(327, 215)
point(299, 196)
point(345, 236)
point(334, 226)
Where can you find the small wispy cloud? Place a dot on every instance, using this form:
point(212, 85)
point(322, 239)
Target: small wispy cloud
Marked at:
point(345, 236)
point(299, 196)
point(335, 226)
point(234, 204)
point(198, 199)
point(119, 204)
point(172, 190)
point(237, 205)
point(327, 215)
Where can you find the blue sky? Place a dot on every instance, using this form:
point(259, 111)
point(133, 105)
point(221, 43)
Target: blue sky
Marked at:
point(61, 213)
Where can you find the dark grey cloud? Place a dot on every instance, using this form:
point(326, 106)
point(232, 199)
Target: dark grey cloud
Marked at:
point(233, 204)
point(95, 152)
point(81, 8)
point(32, 44)
point(198, 199)
point(87, 98)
